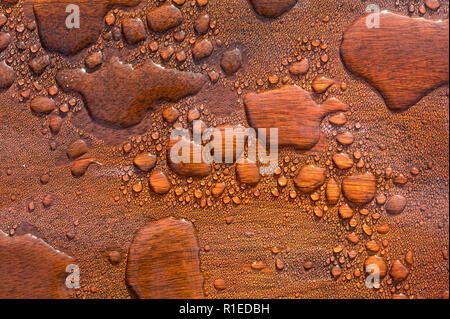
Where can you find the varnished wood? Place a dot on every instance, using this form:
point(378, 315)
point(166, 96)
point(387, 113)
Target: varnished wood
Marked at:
point(293, 112)
point(267, 240)
point(404, 59)
point(51, 18)
point(272, 8)
point(359, 189)
point(29, 268)
point(163, 261)
point(7, 76)
point(119, 95)
point(192, 162)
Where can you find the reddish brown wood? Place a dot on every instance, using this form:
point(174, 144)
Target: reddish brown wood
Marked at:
point(309, 178)
point(267, 241)
point(163, 18)
point(163, 261)
point(359, 189)
point(292, 110)
point(119, 95)
point(404, 59)
point(31, 269)
point(159, 183)
point(51, 17)
point(247, 172)
point(193, 165)
point(7, 76)
point(272, 8)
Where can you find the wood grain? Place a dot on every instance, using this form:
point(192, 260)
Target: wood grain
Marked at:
point(194, 164)
point(119, 95)
point(359, 189)
point(31, 269)
point(51, 18)
point(272, 8)
point(404, 59)
point(242, 242)
point(247, 172)
point(292, 110)
point(163, 261)
point(7, 76)
point(309, 178)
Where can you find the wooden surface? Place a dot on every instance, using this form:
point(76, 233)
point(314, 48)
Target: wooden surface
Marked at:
point(163, 261)
point(291, 110)
point(7, 76)
point(397, 58)
point(359, 189)
point(189, 159)
point(310, 178)
point(267, 239)
point(272, 8)
point(51, 18)
point(119, 95)
point(29, 269)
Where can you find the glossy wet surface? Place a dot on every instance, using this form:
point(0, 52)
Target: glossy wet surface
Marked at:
point(405, 58)
point(84, 144)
